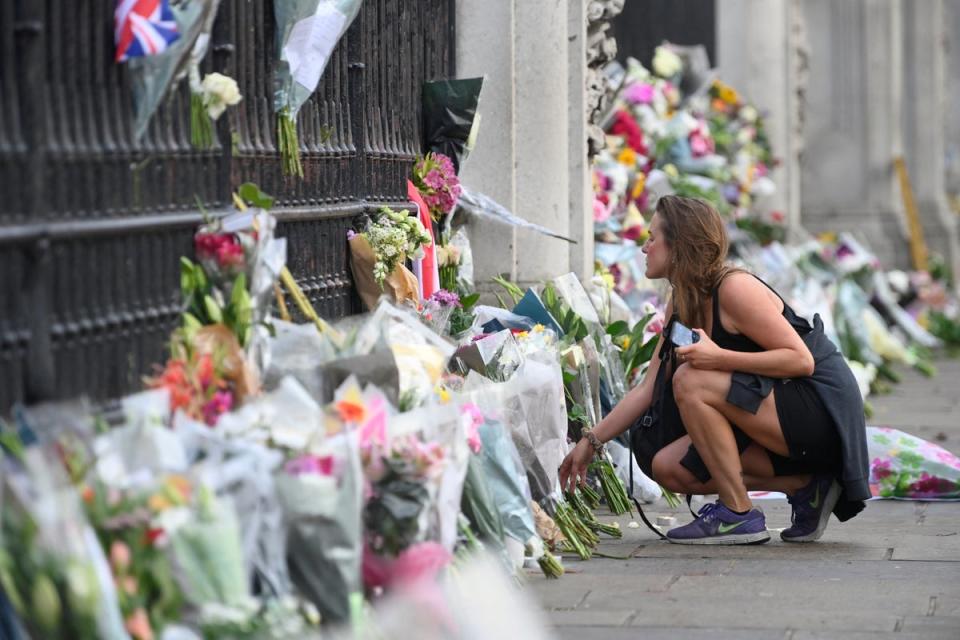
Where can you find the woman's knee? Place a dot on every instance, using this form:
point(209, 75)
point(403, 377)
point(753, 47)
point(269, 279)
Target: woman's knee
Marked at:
point(688, 384)
point(670, 475)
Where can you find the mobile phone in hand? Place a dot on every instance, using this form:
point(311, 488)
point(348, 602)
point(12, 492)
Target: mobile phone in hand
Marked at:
point(682, 336)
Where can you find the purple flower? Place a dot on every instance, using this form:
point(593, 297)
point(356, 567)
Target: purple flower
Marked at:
point(639, 93)
point(446, 298)
point(220, 403)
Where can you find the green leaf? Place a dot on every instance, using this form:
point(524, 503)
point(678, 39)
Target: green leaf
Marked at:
point(239, 291)
point(186, 277)
point(213, 310)
point(618, 328)
point(469, 301)
point(251, 193)
point(644, 353)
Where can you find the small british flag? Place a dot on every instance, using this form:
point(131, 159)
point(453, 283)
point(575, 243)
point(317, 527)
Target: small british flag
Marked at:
point(143, 28)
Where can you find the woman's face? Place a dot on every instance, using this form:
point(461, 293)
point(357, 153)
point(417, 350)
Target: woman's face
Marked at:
point(656, 250)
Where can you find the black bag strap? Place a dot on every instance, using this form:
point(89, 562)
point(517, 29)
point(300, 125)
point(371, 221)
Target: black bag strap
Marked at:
point(666, 351)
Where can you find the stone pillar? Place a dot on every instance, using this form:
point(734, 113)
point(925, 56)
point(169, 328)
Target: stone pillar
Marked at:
point(581, 191)
point(852, 114)
point(542, 104)
point(952, 79)
point(925, 123)
point(757, 53)
point(531, 150)
point(485, 47)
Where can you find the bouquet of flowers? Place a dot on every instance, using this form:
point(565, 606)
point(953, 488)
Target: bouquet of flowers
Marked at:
point(402, 485)
point(322, 499)
point(51, 568)
point(238, 261)
point(449, 257)
point(436, 179)
point(438, 309)
point(378, 252)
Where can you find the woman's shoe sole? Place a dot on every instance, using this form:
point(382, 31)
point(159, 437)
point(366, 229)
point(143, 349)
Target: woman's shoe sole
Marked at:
point(749, 538)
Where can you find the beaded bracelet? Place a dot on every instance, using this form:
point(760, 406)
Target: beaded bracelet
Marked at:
point(594, 441)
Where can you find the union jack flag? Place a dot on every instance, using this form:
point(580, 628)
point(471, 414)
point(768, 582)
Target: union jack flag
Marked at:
point(143, 28)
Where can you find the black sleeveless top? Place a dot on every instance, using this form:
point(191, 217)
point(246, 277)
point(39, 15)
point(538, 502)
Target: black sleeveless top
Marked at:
point(740, 342)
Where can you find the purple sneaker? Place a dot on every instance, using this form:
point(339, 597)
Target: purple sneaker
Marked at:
point(812, 506)
point(716, 524)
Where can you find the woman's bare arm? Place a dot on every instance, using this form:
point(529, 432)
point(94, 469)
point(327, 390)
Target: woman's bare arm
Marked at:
point(751, 309)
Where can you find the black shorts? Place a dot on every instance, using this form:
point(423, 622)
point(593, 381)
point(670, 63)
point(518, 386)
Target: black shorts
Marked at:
point(809, 431)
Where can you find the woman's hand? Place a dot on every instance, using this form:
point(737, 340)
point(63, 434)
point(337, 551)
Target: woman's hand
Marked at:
point(573, 469)
point(703, 354)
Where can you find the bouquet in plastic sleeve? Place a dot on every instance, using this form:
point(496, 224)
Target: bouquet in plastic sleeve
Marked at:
point(450, 118)
point(378, 252)
point(207, 553)
point(52, 568)
point(421, 355)
point(438, 309)
point(210, 95)
point(530, 406)
point(207, 374)
point(233, 464)
point(402, 471)
point(322, 497)
point(152, 76)
point(451, 427)
point(907, 467)
point(307, 32)
point(511, 492)
point(238, 261)
point(436, 179)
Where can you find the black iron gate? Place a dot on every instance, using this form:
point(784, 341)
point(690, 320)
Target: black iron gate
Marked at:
point(645, 24)
point(92, 222)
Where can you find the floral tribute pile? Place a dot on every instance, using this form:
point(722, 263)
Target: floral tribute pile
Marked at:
point(281, 480)
point(713, 145)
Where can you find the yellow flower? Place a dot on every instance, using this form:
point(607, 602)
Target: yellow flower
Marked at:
point(726, 93)
point(628, 157)
point(671, 171)
point(538, 328)
point(827, 237)
point(608, 280)
point(443, 394)
point(625, 343)
point(638, 186)
point(522, 334)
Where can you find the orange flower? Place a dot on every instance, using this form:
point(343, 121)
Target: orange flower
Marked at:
point(159, 502)
point(87, 494)
point(205, 370)
point(628, 157)
point(351, 411)
point(181, 485)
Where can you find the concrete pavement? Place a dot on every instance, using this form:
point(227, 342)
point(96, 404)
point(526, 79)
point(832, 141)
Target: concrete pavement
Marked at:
point(891, 572)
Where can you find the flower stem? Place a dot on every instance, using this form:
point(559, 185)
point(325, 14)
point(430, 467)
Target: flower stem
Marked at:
point(201, 128)
point(288, 144)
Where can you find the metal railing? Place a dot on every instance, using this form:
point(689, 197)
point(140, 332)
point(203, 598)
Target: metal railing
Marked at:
point(92, 222)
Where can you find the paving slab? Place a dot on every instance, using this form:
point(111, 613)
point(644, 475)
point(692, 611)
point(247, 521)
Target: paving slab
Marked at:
point(892, 572)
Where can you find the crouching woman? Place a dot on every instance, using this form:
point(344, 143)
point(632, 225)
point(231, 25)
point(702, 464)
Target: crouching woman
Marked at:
point(761, 400)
